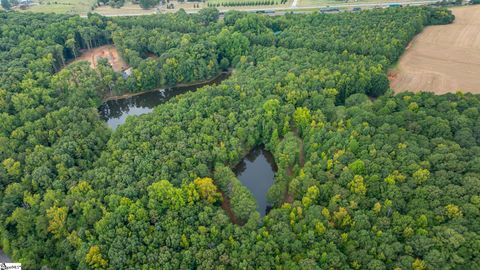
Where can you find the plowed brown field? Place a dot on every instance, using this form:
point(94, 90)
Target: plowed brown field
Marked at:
point(443, 58)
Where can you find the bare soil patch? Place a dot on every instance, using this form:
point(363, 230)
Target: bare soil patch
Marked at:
point(109, 52)
point(443, 58)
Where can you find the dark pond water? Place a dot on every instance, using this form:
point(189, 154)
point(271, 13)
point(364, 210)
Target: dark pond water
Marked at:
point(256, 171)
point(115, 112)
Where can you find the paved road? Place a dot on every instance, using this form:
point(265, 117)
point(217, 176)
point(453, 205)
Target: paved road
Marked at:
point(296, 9)
point(292, 8)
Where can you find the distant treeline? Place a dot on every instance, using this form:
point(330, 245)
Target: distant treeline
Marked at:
point(246, 3)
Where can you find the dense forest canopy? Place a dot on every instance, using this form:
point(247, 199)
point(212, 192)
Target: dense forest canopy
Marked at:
point(366, 179)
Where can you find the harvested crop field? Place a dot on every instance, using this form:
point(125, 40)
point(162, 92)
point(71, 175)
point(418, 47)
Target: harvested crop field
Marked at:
point(443, 58)
point(109, 52)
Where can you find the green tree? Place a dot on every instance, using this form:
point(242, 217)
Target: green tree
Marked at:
point(208, 15)
point(231, 45)
point(146, 4)
point(6, 4)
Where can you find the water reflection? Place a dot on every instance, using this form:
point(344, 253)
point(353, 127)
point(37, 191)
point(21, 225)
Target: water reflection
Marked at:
point(257, 171)
point(115, 112)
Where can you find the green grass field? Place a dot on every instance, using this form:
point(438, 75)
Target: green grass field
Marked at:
point(82, 7)
point(62, 6)
point(128, 8)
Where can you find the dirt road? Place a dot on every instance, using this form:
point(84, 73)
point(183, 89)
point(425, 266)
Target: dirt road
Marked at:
point(443, 58)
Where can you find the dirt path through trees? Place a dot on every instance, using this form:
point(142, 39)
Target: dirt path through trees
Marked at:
point(228, 209)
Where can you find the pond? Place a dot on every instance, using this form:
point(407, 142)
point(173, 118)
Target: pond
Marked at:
point(257, 172)
point(115, 112)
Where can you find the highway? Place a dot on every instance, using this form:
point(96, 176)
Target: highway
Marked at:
point(305, 8)
point(294, 8)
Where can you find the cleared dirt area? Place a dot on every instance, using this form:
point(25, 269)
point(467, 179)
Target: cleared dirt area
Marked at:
point(443, 58)
point(109, 52)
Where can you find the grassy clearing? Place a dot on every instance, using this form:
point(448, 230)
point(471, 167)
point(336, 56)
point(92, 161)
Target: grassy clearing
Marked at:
point(82, 7)
point(128, 8)
point(62, 6)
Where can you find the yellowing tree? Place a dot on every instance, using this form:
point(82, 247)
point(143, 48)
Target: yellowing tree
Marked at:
point(95, 259)
point(302, 118)
point(421, 176)
point(326, 213)
point(12, 167)
point(56, 220)
point(453, 211)
point(320, 228)
point(357, 185)
point(342, 217)
point(311, 196)
point(418, 264)
point(207, 189)
point(413, 106)
point(377, 207)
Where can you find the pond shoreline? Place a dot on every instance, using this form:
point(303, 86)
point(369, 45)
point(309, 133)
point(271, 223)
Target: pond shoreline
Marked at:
point(190, 84)
point(115, 109)
point(256, 171)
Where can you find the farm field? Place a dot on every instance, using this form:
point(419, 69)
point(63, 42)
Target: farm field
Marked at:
point(109, 52)
point(443, 58)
